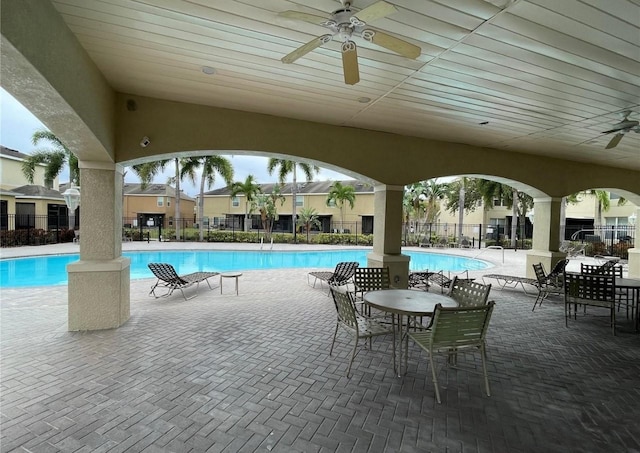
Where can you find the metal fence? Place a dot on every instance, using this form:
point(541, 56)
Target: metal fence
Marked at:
point(606, 240)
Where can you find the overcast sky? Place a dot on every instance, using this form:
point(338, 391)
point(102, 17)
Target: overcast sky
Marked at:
point(17, 126)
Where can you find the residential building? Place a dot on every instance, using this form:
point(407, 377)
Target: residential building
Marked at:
point(24, 205)
point(224, 210)
point(154, 205)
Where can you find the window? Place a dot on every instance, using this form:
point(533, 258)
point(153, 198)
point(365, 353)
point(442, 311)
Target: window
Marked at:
point(299, 200)
point(331, 203)
point(160, 202)
point(235, 202)
point(168, 202)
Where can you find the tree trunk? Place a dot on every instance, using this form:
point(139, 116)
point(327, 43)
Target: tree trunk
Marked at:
point(294, 193)
point(461, 202)
point(176, 219)
point(514, 220)
point(201, 207)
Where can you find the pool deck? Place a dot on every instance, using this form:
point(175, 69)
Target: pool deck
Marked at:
point(251, 373)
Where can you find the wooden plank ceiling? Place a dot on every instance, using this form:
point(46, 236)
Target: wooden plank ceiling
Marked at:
point(545, 77)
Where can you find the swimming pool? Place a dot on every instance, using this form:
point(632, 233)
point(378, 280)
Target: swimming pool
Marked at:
point(51, 270)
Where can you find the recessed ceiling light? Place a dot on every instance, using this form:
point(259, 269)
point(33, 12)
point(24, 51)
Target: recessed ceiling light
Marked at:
point(364, 100)
point(208, 70)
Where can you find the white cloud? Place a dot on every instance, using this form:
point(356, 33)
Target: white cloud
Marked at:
point(17, 126)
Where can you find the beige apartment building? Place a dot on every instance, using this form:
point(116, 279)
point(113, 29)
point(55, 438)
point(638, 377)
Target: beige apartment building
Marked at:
point(223, 210)
point(25, 205)
point(154, 205)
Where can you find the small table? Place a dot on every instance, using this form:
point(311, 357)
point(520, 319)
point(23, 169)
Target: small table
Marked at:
point(235, 275)
point(409, 303)
point(633, 285)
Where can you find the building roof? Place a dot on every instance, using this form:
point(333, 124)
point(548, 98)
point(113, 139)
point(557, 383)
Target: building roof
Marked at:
point(33, 190)
point(153, 189)
point(315, 187)
point(12, 153)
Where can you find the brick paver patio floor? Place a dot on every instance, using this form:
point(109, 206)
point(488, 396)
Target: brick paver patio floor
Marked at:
point(227, 373)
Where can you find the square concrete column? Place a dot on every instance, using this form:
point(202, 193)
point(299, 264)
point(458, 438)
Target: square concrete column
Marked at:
point(634, 253)
point(387, 234)
point(546, 235)
point(99, 290)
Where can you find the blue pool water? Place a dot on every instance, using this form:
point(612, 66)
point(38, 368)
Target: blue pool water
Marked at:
point(51, 270)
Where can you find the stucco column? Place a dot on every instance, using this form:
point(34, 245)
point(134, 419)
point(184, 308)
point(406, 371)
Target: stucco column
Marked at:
point(99, 282)
point(546, 235)
point(634, 253)
point(387, 234)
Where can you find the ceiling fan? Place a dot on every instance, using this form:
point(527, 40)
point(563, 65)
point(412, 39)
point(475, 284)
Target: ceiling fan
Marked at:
point(346, 23)
point(624, 126)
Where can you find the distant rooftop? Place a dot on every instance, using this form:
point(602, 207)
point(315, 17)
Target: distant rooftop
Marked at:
point(316, 187)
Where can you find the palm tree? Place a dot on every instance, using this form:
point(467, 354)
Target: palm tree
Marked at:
point(210, 165)
point(250, 189)
point(53, 158)
point(434, 193)
point(339, 194)
point(309, 218)
point(286, 167)
point(265, 203)
point(462, 196)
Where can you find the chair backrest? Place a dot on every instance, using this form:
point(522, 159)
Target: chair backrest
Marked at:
point(589, 287)
point(165, 272)
point(559, 268)
point(460, 327)
point(469, 293)
point(608, 268)
point(343, 272)
point(345, 307)
point(372, 278)
point(541, 275)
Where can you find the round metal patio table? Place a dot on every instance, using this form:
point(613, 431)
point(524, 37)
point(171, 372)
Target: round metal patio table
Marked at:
point(406, 303)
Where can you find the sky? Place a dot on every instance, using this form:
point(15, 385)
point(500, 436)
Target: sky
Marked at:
point(17, 126)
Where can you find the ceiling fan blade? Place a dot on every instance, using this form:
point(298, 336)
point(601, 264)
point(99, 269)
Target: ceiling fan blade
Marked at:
point(311, 18)
point(614, 141)
point(397, 45)
point(306, 48)
point(350, 63)
point(612, 130)
point(376, 11)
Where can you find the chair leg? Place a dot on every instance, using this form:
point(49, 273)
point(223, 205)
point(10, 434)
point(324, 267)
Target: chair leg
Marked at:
point(435, 378)
point(539, 299)
point(483, 352)
point(334, 338)
point(353, 354)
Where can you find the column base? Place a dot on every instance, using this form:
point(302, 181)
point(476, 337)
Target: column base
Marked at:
point(398, 267)
point(547, 258)
point(99, 294)
point(634, 261)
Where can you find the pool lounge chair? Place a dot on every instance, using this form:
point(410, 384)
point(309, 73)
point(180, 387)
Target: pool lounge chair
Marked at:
point(341, 275)
point(169, 278)
point(511, 281)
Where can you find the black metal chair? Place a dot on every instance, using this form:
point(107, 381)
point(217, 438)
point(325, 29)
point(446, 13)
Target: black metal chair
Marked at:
point(594, 290)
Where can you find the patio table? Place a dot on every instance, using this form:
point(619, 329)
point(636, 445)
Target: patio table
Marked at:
point(632, 285)
point(406, 304)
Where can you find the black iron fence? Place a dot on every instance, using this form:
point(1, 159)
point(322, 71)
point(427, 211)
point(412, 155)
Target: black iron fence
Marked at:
point(606, 240)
